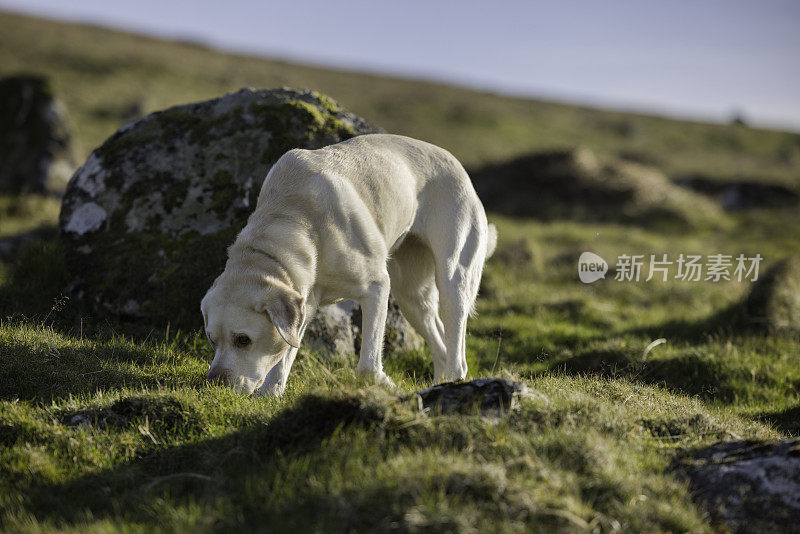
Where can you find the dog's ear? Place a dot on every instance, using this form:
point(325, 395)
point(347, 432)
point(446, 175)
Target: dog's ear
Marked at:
point(286, 309)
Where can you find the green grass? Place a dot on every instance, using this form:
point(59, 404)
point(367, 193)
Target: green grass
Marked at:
point(159, 449)
point(105, 86)
point(110, 427)
point(545, 321)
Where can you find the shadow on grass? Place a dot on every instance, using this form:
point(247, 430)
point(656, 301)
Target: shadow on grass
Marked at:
point(787, 420)
point(11, 245)
point(37, 293)
point(687, 374)
point(725, 322)
point(234, 472)
point(573, 324)
point(711, 378)
point(278, 477)
point(515, 346)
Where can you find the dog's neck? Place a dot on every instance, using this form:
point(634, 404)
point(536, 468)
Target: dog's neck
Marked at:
point(292, 267)
point(268, 263)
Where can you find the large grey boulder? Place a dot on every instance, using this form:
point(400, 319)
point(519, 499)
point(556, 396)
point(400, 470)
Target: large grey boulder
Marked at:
point(150, 214)
point(749, 486)
point(35, 155)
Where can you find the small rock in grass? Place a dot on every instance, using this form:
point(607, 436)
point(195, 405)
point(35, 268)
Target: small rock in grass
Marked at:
point(80, 420)
point(488, 396)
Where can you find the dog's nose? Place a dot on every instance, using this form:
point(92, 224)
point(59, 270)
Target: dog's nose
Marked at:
point(218, 376)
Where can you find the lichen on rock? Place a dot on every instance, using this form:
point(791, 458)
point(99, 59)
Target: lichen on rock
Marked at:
point(149, 216)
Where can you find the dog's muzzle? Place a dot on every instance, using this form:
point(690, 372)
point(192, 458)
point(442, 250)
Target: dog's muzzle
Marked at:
point(219, 376)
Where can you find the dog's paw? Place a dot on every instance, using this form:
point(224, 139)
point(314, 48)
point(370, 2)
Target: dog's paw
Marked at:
point(383, 379)
point(380, 378)
point(269, 390)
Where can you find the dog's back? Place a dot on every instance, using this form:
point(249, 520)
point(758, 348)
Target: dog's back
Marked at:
point(402, 182)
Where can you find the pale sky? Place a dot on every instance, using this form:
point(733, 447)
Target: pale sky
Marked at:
point(691, 58)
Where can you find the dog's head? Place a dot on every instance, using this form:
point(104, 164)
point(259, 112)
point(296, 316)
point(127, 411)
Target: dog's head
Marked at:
point(252, 321)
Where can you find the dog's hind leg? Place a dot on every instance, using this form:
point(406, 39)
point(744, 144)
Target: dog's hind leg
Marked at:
point(374, 305)
point(412, 270)
point(460, 256)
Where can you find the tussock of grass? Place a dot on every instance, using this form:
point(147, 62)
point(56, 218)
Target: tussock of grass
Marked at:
point(774, 303)
point(576, 185)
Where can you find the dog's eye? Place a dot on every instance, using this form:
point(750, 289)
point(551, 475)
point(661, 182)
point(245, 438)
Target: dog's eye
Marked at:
point(241, 340)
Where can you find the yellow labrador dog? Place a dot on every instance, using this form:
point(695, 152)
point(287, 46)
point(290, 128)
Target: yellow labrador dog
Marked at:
point(355, 220)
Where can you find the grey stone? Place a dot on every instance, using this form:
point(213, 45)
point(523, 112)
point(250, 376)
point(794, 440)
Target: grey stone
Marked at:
point(336, 330)
point(488, 396)
point(35, 154)
point(331, 331)
point(148, 218)
point(80, 420)
point(750, 486)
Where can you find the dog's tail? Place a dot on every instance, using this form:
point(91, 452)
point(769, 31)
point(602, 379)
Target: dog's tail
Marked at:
point(491, 243)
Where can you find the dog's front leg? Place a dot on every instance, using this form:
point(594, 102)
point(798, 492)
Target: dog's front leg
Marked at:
point(373, 325)
point(275, 383)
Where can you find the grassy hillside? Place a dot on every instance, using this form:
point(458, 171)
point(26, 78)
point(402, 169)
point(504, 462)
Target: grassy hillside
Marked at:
point(106, 77)
point(108, 426)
